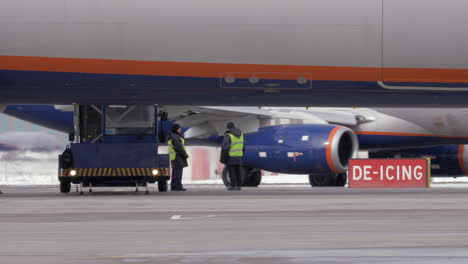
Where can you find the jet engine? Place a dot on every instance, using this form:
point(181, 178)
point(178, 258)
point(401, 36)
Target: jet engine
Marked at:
point(301, 149)
point(446, 160)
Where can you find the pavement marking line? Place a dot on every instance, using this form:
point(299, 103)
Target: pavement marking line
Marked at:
point(318, 252)
point(179, 217)
point(175, 217)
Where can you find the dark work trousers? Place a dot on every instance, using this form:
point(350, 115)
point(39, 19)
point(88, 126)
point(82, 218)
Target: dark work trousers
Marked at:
point(176, 179)
point(235, 175)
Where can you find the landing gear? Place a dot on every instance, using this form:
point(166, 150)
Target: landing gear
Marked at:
point(253, 178)
point(328, 180)
point(321, 180)
point(65, 186)
point(162, 186)
point(226, 178)
point(341, 179)
point(250, 177)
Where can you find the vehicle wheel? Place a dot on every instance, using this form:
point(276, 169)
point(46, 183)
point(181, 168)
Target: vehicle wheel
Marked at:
point(162, 186)
point(341, 179)
point(65, 186)
point(225, 177)
point(253, 177)
point(322, 180)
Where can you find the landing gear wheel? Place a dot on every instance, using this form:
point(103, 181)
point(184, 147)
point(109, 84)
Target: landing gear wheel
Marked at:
point(322, 180)
point(162, 186)
point(225, 177)
point(250, 177)
point(341, 179)
point(65, 186)
point(253, 177)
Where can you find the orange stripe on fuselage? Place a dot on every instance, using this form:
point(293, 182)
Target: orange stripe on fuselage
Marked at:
point(426, 75)
point(189, 69)
point(200, 69)
point(329, 154)
point(461, 162)
point(375, 133)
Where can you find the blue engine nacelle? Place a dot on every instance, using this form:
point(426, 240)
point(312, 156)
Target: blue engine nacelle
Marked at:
point(446, 160)
point(301, 149)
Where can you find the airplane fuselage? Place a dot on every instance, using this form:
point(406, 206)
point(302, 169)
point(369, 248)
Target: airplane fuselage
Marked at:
point(206, 52)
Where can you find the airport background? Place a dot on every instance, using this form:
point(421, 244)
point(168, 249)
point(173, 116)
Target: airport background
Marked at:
point(28, 156)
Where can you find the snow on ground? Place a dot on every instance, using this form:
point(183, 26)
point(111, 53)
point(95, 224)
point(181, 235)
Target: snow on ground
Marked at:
point(303, 179)
point(28, 168)
point(40, 168)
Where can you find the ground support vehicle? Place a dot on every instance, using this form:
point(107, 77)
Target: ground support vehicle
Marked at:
point(114, 145)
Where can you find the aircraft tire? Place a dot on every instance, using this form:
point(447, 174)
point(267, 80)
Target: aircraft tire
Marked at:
point(162, 186)
point(341, 179)
point(253, 179)
point(65, 186)
point(225, 177)
point(322, 180)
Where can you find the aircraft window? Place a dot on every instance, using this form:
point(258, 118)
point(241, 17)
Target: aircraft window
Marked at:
point(129, 120)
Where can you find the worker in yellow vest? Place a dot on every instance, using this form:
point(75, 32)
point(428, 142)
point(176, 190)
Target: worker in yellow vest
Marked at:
point(232, 151)
point(178, 156)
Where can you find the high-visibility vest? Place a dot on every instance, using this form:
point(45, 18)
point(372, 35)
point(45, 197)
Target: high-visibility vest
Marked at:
point(237, 146)
point(172, 153)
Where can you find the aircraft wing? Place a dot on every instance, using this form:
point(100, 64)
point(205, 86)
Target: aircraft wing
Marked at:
point(209, 120)
point(340, 116)
point(178, 113)
point(329, 115)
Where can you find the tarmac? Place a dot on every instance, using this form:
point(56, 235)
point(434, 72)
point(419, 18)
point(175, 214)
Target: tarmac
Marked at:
point(207, 224)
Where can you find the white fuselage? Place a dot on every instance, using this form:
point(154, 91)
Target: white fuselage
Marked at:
point(360, 33)
point(310, 50)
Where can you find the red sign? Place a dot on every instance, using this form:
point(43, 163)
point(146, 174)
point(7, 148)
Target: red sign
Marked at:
point(389, 173)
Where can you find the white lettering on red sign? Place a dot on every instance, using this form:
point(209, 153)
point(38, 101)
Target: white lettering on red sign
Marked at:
point(378, 173)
